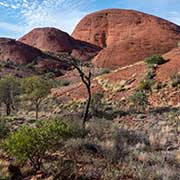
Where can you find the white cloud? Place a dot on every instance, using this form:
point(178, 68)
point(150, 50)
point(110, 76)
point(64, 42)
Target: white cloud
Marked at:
point(63, 14)
point(11, 27)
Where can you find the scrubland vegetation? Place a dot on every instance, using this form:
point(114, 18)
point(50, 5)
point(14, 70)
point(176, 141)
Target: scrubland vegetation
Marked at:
point(92, 139)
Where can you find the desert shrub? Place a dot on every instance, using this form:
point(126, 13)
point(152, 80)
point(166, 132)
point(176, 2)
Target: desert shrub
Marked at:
point(62, 169)
point(104, 71)
point(158, 85)
point(145, 84)
point(61, 83)
point(4, 178)
point(139, 100)
point(150, 74)
point(175, 80)
point(119, 148)
point(30, 144)
point(4, 129)
point(49, 75)
point(30, 65)
point(7, 64)
point(96, 102)
point(155, 59)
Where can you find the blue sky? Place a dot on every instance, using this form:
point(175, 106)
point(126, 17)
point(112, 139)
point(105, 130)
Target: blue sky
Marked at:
point(17, 17)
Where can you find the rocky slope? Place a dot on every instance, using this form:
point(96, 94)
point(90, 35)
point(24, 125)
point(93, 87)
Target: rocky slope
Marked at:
point(15, 53)
point(56, 41)
point(127, 36)
point(122, 82)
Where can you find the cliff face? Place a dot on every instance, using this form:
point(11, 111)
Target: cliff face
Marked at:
point(127, 36)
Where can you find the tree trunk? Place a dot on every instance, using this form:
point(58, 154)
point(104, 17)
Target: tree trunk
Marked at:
point(8, 109)
point(37, 111)
point(86, 112)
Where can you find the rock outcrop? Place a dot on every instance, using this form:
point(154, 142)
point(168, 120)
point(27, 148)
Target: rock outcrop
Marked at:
point(127, 36)
point(56, 41)
point(17, 53)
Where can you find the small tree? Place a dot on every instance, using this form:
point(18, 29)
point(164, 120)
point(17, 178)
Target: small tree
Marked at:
point(30, 144)
point(86, 80)
point(9, 92)
point(36, 89)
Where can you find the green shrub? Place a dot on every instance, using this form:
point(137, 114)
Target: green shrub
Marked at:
point(104, 71)
point(4, 129)
point(7, 64)
point(175, 80)
point(150, 74)
point(145, 84)
point(139, 100)
point(30, 144)
point(61, 83)
point(49, 75)
point(155, 60)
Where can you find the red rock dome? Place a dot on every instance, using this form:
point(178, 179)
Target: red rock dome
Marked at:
point(57, 41)
point(127, 36)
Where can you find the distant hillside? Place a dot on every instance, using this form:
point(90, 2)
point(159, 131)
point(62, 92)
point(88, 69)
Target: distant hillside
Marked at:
point(56, 41)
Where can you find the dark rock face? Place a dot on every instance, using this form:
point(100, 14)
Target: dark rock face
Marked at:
point(18, 53)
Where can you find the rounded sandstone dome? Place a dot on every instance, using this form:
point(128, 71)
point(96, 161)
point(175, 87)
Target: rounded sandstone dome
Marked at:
point(126, 36)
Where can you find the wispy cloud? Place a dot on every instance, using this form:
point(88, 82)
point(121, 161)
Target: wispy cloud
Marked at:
point(63, 14)
point(11, 27)
point(20, 16)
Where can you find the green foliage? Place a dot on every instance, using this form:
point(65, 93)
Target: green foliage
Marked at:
point(4, 129)
point(35, 89)
point(155, 60)
point(49, 75)
point(150, 74)
point(60, 83)
point(30, 144)
point(7, 64)
point(104, 71)
point(145, 85)
point(139, 99)
point(148, 81)
point(9, 92)
point(175, 80)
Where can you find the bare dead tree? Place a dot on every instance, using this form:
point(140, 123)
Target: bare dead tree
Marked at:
point(86, 80)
